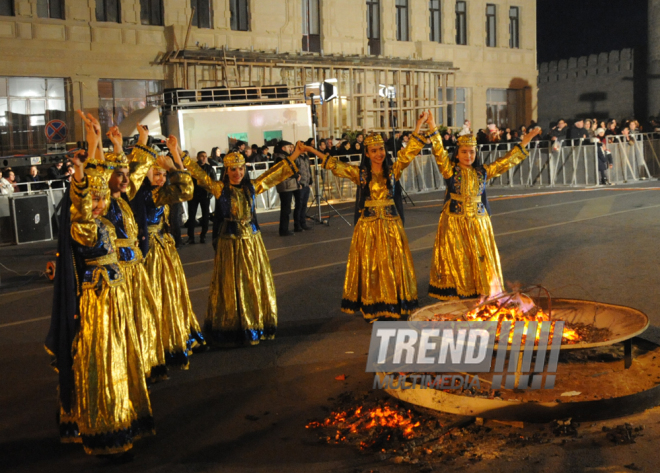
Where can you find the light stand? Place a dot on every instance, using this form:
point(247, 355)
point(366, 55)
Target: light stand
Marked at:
point(327, 92)
point(389, 92)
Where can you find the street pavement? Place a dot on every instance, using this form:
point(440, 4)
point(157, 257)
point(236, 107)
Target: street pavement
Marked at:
point(245, 409)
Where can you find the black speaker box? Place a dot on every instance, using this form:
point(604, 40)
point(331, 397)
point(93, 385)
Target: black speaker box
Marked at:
point(31, 218)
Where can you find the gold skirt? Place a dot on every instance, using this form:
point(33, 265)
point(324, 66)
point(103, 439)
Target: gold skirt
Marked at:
point(147, 317)
point(242, 302)
point(111, 405)
point(465, 258)
point(178, 322)
point(380, 275)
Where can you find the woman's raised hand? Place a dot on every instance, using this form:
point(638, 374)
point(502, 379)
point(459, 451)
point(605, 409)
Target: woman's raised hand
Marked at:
point(420, 121)
point(430, 120)
point(143, 131)
point(114, 135)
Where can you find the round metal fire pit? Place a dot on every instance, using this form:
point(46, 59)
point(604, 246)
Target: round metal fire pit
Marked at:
point(623, 322)
point(593, 379)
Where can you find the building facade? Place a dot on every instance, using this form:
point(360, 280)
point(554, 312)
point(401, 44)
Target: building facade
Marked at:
point(471, 59)
point(599, 86)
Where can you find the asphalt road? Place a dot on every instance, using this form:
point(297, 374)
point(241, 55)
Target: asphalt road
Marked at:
point(598, 244)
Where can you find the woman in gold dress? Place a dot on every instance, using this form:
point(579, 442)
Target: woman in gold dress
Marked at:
point(465, 259)
point(242, 303)
point(110, 405)
point(380, 276)
point(179, 329)
point(127, 176)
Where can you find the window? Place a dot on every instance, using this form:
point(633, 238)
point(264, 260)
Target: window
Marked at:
point(373, 26)
point(203, 16)
point(435, 21)
point(240, 14)
point(455, 115)
point(108, 10)
point(514, 27)
point(461, 23)
point(402, 20)
point(6, 7)
point(491, 30)
point(50, 9)
point(502, 107)
point(26, 105)
point(120, 98)
point(151, 12)
point(311, 26)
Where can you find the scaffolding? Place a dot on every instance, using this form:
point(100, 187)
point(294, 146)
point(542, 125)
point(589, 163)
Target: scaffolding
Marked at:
point(420, 84)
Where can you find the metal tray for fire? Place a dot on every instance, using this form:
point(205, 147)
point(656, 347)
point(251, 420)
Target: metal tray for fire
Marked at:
point(623, 323)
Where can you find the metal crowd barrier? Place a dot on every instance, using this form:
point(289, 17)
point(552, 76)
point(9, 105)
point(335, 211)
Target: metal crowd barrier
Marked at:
point(572, 163)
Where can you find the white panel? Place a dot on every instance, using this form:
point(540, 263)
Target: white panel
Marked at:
point(202, 130)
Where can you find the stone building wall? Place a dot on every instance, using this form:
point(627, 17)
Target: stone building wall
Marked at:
point(84, 50)
point(598, 86)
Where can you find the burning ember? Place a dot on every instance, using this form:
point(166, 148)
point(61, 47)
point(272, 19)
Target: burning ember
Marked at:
point(518, 307)
point(384, 422)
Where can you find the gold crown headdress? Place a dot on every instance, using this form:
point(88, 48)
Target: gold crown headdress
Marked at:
point(373, 139)
point(116, 160)
point(155, 166)
point(97, 177)
point(466, 140)
point(233, 159)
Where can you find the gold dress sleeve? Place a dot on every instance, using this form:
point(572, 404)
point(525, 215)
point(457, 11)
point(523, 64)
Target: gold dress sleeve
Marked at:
point(407, 154)
point(276, 174)
point(203, 179)
point(180, 189)
point(441, 156)
point(341, 169)
point(83, 226)
point(506, 162)
point(141, 160)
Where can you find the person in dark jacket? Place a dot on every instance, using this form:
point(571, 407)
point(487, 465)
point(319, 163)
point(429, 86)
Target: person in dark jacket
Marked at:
point(578, 131)
point(558, 134)
point(301, 195)
point(286, 188)
point(201, 198)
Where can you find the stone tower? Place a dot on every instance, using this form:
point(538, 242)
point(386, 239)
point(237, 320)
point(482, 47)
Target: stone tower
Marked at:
point(654, 58)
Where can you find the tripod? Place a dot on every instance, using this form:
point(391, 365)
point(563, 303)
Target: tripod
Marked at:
point(318, 195)
point(406, 197)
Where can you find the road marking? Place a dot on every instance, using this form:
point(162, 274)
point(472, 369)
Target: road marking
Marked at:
point(26, 290)
point(334, 240)
point(24, 322)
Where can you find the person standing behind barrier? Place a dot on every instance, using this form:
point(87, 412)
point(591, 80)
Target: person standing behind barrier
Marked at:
point(302, 194)
point(6, 186)
point(201, 198)
point(380, 277)
point(242, 304)
point(215, 159)
point(558, 134)
point(286, 188)
point(465, 260)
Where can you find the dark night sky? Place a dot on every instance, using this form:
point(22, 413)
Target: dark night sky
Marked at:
point(573, 28)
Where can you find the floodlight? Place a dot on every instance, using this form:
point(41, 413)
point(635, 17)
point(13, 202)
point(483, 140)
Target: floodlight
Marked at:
point(325, 90)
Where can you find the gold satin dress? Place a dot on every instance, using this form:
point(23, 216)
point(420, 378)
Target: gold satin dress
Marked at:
point(466, 262)
point(146, 309)
point(110, 407)
point(242, 304)
point(380, 277)
point(178, 322)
